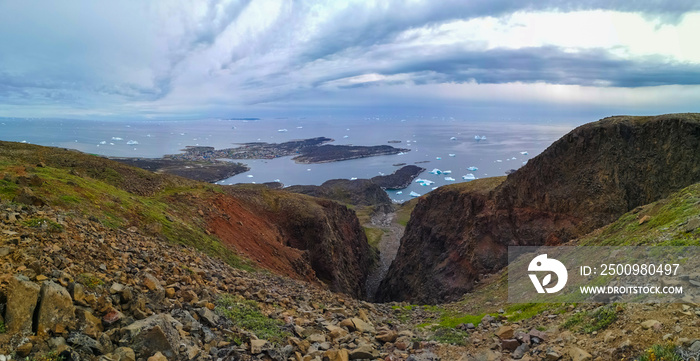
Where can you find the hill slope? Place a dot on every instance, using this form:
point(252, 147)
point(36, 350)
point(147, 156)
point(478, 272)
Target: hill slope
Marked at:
point(581, 182)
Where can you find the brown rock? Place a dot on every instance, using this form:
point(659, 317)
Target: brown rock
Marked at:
point(154, 334)
point(256, 346)
point(55, 309)
point(578, 354)
point(22, 298)
point(505, 332)
point(387, 336)
point(644, 219)
point(151, 282)
point(510, 344)
point(336, 355)
point(125, 354)
point(170, 292)
point(158, 357)
point(24, 350)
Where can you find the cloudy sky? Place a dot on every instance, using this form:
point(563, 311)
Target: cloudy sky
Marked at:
point(492, 58)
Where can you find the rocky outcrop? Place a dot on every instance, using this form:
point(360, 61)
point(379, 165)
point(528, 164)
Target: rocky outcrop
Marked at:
point(581, 182)
point(360, 192)
point(307, 238)
point(21, 301)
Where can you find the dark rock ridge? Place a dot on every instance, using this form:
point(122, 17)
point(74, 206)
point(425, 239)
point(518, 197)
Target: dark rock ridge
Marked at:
point(583, 181)
point(361, 192)
point(210, 171)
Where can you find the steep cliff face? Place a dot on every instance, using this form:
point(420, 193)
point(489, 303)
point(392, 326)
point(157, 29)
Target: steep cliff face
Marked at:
point(585, 180)
point(301, 236)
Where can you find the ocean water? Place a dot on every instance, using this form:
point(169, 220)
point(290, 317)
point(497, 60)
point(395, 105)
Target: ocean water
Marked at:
point(445, 143)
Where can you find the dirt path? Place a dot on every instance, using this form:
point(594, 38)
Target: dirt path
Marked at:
point(388, 246)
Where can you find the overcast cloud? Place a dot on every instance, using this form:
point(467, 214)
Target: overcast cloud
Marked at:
point(184, 59)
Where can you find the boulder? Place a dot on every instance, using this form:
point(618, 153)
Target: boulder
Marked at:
point(56, 310)
point(578, 354)
point(22, 298)
point(156, 333)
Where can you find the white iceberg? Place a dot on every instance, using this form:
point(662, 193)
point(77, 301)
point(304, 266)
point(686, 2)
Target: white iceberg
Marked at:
point(476, 137)
point(434, 188)
point(472, 168)
point(499, 161)
point(452, 155)
point(449, 179)
point(117, 138)
point(424, 182)
point(249, 176)
point(468, 176)
point(414, 194)
point(353, 178)
point(435, 171)
point(345, 136)
point(103, 142)
point(300, 127)
point(524, 153)
point(446, 172)
point(132, 142)
point(453, 138)
point(399, 192)
point(282, 130)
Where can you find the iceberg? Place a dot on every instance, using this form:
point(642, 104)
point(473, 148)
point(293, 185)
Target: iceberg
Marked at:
point(449, 179)
point(282, 130)
point(424, 182)
point(472, 168)
point(300, 127)
point(434, 188)
point(117, 138)
point(499, 161)
point(435, 171)
point(468, 176)
point(103, 142)
point(345, 136)
point(453, 138)
point(353, 178)
point(414, 194)
point(483, 137)
point(438, 158)
point(452, 155)
point(447, 172)
point(249, 176)
point(524, 153)
point(132, 142)
point(476, 137)
point(399, 192)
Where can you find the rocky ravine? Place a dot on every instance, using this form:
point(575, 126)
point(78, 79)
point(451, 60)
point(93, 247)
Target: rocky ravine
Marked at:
point(583, 181)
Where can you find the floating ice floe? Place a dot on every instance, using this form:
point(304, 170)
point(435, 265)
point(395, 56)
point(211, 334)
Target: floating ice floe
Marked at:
point(499, 161)
point(449, 179)
point(353, 178)
point(524, 153)
point(453, 138)
point(277, 180)
point(446, 172)
point(434, 188)
point(468, 176)
point(132, 142)
point(300, 127)
point(512, 158)
point(282, 130)
point(483, 137)
point(438, 158)
point(399, 192)
point(381, 173)
point(117, 138)
point(111, 143)
point(249, 176)
point(435, 171)
point(400, 153)
point(345, 136)
point(103, 142)
point(414, 194)
point(452, 155)
point(424, 182)
point(472, 168)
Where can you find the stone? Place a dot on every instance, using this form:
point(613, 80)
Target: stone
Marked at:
point(24, 350)
point(22, 297)
point(317, 337)
point(552, 356)
point(510, 344)
point(170, 292)
point(256, 346)
point(651, 324)
point(695, 347)
point(158, 357)
point(209, 316)
point(520, 351)
point(87, 342)
point(644, 219)
point(336, 355)
point(151, 282)
point(578, 354)
point(125, 354)
point(387, 336)
point(504, 332)
point(692, 225)
point(363, 352)
point(92, 325)
point(153, 334)
point(356, 324)
point(55, 308)
point(77, 292)
point(486, 355)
